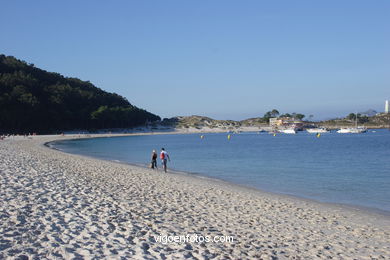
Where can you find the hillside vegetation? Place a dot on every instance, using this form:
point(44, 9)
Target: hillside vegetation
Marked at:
point(34, 100)
point(200, 122)
point(376, 121)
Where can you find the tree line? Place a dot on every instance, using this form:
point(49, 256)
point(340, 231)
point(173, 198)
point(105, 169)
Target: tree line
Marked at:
point(361, 119)
point(34, 100)
point(276, 113)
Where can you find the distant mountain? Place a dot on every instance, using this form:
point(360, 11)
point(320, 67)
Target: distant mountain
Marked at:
point(370, 112)
point(34, 100)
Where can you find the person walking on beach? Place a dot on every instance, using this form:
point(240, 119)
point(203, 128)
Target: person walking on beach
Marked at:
point(154, 160)
point(164, 156)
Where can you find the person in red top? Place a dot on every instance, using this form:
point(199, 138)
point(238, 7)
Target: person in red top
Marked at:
point(164, 156)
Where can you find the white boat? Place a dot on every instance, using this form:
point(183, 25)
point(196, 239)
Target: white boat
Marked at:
point(352, 130)
point(317, 130)
point(288, 131)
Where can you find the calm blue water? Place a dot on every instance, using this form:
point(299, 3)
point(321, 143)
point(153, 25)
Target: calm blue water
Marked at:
point(351, 169)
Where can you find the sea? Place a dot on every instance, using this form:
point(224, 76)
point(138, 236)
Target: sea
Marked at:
point(350, 169)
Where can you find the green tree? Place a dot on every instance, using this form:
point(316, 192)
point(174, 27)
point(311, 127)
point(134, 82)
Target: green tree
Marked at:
point(299, 116)
point(34, 100)
point(363, 119)
point(274, 113)
point(351, 116)
point(269, 114)
point(286, 115)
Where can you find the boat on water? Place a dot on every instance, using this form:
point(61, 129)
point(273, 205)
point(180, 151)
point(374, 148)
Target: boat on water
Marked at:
point(317, 130)
point(352, 130)
point(288, 131)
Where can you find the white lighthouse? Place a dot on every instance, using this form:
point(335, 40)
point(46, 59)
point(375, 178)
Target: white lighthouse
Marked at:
point(387, 107)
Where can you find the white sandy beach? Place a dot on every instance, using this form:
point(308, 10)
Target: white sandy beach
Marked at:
point(61, 206)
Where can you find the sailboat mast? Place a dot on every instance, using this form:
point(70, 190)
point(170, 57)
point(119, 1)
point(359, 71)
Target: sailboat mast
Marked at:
point(356, 120)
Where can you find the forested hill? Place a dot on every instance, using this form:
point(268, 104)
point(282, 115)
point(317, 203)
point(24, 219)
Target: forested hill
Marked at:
point(34, 100)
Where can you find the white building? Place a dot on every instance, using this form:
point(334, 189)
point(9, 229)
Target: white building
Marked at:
point(387, 106)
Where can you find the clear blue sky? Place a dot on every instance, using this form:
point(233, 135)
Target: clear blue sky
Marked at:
point(224, 59)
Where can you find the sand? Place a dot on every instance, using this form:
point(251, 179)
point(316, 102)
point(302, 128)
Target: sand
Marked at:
point(55, 205)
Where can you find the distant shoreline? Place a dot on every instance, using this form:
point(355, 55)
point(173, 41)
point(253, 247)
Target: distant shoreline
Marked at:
point(196, 131)
point(161, 129)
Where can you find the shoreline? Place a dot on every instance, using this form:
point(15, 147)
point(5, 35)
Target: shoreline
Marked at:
point(353, 207)
point(61, 205)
